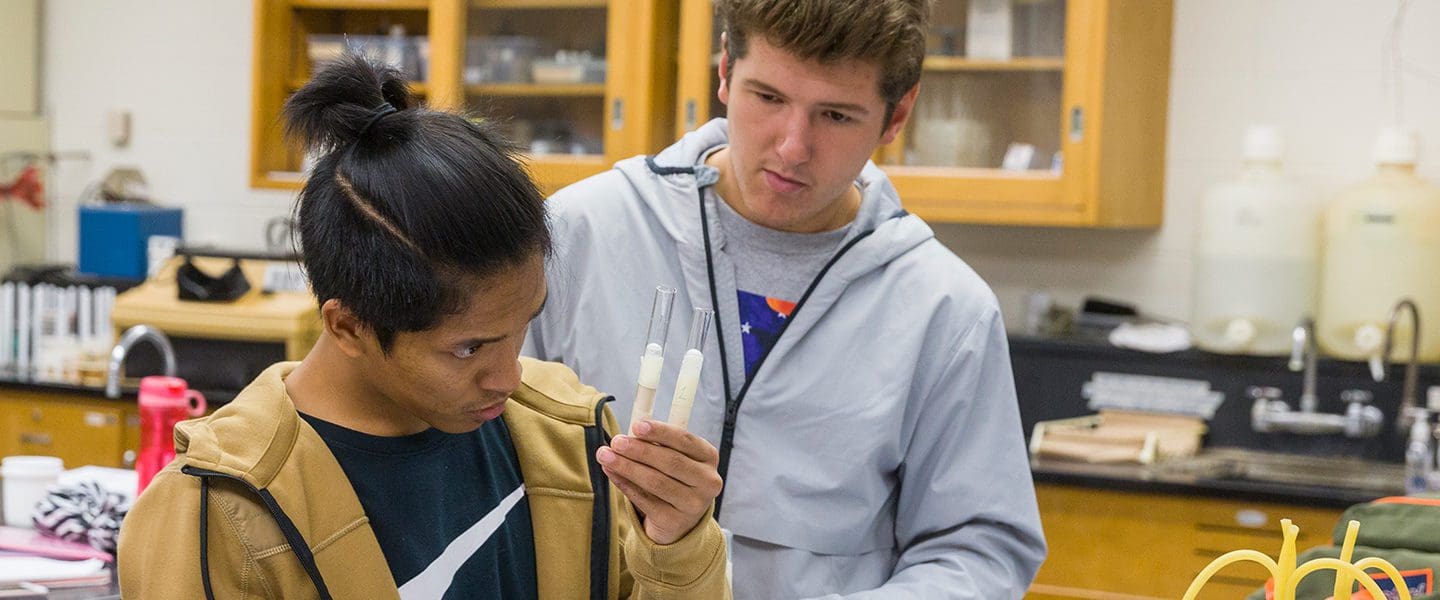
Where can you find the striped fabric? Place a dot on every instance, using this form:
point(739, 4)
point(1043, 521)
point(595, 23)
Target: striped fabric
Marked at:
point(85, 513)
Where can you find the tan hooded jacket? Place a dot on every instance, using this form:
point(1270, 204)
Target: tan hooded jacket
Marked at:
point(279, 519)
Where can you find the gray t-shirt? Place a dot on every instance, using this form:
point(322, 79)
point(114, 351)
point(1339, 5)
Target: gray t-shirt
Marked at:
point(772, 270)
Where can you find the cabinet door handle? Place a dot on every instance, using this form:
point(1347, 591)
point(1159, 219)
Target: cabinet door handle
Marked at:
point(1077, 124)
point(617, 114)
point(36, 439)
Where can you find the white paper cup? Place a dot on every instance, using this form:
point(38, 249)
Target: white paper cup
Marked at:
point(26, 480)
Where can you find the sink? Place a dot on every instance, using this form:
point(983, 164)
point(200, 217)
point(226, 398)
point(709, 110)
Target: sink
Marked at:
point(1235, 464)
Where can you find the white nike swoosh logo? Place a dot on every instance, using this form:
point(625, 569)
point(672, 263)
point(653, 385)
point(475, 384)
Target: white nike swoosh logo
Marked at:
point(435, 580)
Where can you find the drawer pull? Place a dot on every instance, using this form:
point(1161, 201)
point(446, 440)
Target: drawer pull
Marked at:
point(1249, 517)
point(36, 439)
point(100, 419)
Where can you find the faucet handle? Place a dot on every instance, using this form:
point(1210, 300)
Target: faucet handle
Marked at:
point(1357, 396)
point(1257, 392)
point(1377, 367)
point(1361, 419)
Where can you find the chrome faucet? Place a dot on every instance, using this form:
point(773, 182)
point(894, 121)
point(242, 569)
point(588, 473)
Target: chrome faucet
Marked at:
point(1304, 353)
point(1409, 408)
point(127, 341)
point(1269, 413)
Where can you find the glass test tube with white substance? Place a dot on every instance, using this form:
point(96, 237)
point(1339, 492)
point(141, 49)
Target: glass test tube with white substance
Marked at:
point(654, 357)
point(689, 379)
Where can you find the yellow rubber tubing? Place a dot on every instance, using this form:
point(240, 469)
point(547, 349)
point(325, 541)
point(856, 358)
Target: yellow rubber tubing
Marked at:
point(1376, 562)
point(1226, 560)
point(1338, 566)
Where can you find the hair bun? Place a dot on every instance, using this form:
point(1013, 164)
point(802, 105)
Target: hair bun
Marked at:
point(333, 108)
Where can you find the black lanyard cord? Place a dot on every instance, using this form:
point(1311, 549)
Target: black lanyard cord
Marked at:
point(732, 403)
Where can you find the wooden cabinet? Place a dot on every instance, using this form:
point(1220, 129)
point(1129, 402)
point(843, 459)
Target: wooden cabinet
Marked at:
point(1068, 130)
point(1134, 546)
point(580, 84)
point(78, 429)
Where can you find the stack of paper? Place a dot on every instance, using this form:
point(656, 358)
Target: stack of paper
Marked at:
point(17, 569)
point(29, 557)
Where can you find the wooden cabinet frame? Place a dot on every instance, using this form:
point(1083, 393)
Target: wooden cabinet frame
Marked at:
point(638, 92)
point(1114, 97)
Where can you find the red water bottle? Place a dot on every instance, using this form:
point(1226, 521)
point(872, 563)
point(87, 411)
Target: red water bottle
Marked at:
point(164, 401)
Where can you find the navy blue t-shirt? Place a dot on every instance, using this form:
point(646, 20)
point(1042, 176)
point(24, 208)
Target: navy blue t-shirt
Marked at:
point(449, 510)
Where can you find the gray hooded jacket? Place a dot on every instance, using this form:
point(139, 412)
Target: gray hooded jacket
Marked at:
point(877, 451)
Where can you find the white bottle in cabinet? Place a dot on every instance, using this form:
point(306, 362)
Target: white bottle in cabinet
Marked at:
point(1255, 263)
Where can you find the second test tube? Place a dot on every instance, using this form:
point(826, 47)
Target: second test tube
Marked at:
point(689, 379)
point(653, 358)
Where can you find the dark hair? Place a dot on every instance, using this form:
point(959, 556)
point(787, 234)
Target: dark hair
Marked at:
point(890, 33)
point(401, 207)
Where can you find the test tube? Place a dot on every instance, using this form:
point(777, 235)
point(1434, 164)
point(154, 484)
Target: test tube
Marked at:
point(689, 379)
point(654, 356)
point(23, 320)
point(7, 327)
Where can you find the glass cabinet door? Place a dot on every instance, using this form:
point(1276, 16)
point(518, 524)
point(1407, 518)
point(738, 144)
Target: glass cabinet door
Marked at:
point(992, 88)
point(999, 103)
point(991, 95)
point(577, 84)
point(539, 68)
point(294, 38)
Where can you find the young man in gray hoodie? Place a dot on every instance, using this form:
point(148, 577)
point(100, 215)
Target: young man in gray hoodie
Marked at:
point(858, 380)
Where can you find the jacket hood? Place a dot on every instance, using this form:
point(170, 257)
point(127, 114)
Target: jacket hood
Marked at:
point(670, 183)
point(258, 428)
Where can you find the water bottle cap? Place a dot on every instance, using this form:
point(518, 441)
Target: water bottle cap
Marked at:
point(163, 386)
point(1263, 143)
point(1396, 146)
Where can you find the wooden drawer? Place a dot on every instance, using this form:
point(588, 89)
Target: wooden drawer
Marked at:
point(79, 430)
point(1116, 545)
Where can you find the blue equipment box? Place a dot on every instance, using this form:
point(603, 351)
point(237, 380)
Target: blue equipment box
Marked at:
point(114, 237)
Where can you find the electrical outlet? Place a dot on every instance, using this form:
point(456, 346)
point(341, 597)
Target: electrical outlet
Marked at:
point(117, 127)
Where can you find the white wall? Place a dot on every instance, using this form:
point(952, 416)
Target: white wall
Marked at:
point(22, 237)
point(1311, 67)
point(182, 68)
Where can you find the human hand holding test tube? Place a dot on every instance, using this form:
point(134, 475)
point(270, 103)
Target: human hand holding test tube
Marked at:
point(669, 474)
